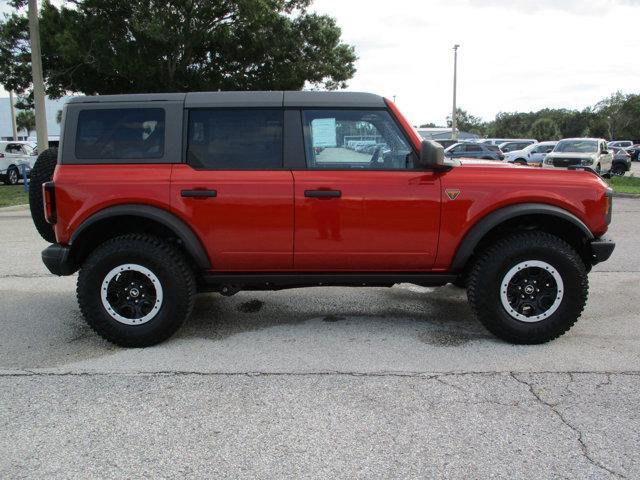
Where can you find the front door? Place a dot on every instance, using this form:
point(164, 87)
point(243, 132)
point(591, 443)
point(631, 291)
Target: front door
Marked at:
point(233, 190)
point(361, 205)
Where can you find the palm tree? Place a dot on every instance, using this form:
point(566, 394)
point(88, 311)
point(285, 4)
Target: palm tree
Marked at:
point(26, 120)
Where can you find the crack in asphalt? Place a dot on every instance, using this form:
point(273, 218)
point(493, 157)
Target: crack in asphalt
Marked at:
point(580, 437)
point(439, 377)
point(425, 375)
point(29, 275)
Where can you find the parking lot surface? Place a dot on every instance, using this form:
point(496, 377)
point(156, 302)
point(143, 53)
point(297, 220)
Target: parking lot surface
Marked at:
point(318, 383)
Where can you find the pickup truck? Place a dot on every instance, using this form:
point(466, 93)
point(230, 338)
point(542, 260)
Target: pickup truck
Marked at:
point(156, 197)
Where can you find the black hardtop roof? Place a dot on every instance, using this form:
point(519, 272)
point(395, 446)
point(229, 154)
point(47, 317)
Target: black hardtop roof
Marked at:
point(246, 99)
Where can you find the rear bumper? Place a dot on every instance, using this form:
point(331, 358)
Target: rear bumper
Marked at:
point(602, 248)
point(56, 258)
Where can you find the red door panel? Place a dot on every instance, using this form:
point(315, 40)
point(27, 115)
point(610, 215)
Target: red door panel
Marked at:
point(381, 221)
point(248, 225)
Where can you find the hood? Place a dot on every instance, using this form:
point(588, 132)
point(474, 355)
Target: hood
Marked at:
point(514, 153)
point(572, 155)
point(474, 162)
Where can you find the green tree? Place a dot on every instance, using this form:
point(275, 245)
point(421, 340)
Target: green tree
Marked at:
point(26, 120)
point(620, 112)
point(467, 122)
point(511, 125)
point(545, 129)
point(128, 46)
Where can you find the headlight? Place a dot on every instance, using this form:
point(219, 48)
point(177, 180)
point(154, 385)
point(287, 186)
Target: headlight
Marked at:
point(587, 161)
point(548, 161)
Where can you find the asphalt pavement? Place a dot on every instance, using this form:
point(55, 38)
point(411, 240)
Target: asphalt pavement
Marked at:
point(318, 383)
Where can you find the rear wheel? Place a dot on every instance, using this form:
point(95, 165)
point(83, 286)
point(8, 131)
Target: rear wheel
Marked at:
point(520, 161)
point(136, 290)
point(13, 176)
point(528, 288)
point(42, 172)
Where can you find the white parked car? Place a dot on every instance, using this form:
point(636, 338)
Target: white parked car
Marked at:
point(532, 155)
point(586, 152)
point(12, 156)
point(500, 141)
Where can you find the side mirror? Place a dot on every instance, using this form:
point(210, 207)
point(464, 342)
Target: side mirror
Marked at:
point(431, 155)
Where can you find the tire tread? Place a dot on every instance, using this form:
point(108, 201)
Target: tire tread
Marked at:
point(92, 312)
point(542, 332)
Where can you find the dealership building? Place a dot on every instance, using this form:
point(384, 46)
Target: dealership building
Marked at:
point(52, 107)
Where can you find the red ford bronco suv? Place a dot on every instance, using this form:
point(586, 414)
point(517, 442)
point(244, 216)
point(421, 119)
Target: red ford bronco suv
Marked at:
point(157, 197)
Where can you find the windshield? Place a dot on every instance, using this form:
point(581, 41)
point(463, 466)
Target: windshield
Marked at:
point(453, 146)
point(30, 148)
point(577, 146)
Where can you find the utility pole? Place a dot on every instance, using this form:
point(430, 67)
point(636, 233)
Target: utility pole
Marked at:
point(14, 127)
point(38, 82)
point(454, 114)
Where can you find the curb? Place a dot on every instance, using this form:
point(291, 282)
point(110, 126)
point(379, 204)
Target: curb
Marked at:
point(626, 195)
point(14, 208)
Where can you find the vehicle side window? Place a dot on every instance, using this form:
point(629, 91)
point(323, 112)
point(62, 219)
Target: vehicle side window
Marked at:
point(355, 139)
point(14, 148)
point(120, 133)
point(229, 139)
point(474, 148)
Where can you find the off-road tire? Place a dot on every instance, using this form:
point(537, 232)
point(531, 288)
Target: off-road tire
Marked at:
point(484, 286)
point(42, 172)
point(166, 262)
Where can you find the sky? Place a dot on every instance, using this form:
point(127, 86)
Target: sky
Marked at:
point(515, 55)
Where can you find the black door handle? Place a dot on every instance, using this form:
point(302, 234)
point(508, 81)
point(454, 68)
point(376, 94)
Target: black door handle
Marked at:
point(198, 193)
point(322, 193)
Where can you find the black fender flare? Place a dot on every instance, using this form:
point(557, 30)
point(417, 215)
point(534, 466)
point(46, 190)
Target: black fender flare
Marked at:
point(492, 220)
point(190, 240)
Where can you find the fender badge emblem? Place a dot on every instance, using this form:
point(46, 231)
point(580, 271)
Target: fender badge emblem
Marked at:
point(453, 194)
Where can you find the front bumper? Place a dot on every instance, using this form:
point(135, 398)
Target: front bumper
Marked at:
point(602, 248)
point(57, 260)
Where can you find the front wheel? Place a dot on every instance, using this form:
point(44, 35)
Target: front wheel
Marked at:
point(136, 290)
point(528, 288)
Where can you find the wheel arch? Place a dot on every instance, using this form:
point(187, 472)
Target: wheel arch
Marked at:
point(527, 216)
point(123, 219)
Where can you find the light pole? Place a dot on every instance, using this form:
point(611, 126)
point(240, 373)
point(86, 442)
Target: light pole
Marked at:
point(38, 82)
point(454, 114)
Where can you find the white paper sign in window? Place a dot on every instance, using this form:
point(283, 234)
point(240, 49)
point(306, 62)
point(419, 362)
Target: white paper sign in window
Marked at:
point(323, 132)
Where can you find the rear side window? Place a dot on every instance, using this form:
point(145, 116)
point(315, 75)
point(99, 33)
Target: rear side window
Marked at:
point(235, 139)
point(120, 133)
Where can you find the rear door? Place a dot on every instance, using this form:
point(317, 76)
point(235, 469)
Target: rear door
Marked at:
point(233, 190)
point(606, 157)
point(368, 210)
point(475, 151)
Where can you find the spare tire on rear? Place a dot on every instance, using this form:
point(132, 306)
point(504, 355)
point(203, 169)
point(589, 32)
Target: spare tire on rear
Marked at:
point(42, 172)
